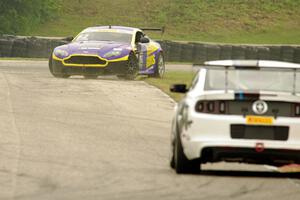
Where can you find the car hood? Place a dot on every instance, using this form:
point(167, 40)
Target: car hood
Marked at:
point(100, 48)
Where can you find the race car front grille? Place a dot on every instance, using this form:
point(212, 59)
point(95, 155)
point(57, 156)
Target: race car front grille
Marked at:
point(240, 131)
point(85, 60)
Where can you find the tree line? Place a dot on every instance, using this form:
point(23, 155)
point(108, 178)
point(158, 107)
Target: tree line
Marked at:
point(20, 16)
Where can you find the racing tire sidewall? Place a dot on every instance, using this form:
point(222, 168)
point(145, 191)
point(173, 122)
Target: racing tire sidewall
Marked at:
point(160, 68)
point(53, 69)
point(50, 66)
point(132, 67)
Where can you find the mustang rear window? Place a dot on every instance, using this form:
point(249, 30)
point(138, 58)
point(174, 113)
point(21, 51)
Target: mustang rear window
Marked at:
point(105, 36)
point(252, 80)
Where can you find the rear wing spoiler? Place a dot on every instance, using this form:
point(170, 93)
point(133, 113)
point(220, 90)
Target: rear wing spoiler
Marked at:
point(249, 64)
point(162, 29)
point(265, 65)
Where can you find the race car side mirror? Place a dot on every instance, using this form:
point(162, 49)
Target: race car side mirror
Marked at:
point(179, 88)
point(69, 39)
point(144, 40)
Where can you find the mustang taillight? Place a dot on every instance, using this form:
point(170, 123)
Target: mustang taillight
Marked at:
point(215, 107)
point(297, 110)
point(222, 107)
point(200, 106)
point(210, 106)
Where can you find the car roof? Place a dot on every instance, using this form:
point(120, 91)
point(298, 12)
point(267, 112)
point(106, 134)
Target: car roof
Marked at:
point(253, 63)
point(123, 29)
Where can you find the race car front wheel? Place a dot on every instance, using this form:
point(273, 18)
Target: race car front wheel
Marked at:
point(54, 73)
point(132, 68)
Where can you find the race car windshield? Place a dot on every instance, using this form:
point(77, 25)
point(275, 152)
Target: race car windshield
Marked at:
point(253, 80)
point(105, 36)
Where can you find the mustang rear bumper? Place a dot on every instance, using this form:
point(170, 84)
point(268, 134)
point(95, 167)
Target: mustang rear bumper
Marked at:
point(210, 138)
point(250, 155)
point(112, 68)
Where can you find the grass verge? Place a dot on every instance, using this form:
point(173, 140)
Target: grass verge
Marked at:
point(230, 21)
point(171, 77)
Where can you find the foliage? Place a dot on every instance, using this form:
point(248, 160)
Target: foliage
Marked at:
point(230, 21)
point(20, 16)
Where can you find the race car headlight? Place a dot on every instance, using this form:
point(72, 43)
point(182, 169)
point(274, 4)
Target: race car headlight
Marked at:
point(61, 53)
point(113, 53)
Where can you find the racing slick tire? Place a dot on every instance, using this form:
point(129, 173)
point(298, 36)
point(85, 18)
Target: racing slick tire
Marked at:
point(181, 164)
point(61, 75)
point(132, 67)
point(172, 160)
point(161, 68)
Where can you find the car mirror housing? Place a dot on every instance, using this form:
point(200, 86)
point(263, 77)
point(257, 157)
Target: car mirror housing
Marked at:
point(69, 39)
point(144, 40)
point(179, 88)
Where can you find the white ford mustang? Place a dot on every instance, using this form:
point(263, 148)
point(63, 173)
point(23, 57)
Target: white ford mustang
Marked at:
point(238, 111)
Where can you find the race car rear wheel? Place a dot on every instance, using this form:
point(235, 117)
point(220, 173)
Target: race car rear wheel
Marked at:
point(132, 69)
point(181, 164)
point(172, 157)
point(160, 67)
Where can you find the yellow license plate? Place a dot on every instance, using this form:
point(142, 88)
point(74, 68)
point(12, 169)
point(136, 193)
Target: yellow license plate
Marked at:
point(259, 120)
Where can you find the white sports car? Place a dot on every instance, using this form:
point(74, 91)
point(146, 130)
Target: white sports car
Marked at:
point(238, 111)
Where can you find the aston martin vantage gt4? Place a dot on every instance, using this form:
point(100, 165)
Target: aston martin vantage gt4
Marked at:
point(117, 50)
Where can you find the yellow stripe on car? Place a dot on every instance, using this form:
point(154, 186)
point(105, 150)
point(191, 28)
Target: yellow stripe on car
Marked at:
point(88, 65)
point(56, 58)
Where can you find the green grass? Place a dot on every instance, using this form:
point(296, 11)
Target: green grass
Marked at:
point(226, 21)
point(170, 78)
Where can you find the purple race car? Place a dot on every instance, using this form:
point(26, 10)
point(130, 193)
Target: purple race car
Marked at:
point(113, 50)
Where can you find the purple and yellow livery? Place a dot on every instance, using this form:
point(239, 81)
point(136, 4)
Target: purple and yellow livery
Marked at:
point(123, 51)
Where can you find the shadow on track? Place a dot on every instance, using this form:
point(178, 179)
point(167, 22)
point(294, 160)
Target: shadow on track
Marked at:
point(253, 174)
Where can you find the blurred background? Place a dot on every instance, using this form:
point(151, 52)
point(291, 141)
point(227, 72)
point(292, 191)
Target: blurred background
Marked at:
point(230, 21)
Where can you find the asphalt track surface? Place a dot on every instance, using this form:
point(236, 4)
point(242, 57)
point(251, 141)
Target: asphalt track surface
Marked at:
point(105, 139)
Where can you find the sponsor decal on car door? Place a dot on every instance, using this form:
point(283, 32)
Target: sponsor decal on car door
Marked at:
point(147, 54)
point(151, 51)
